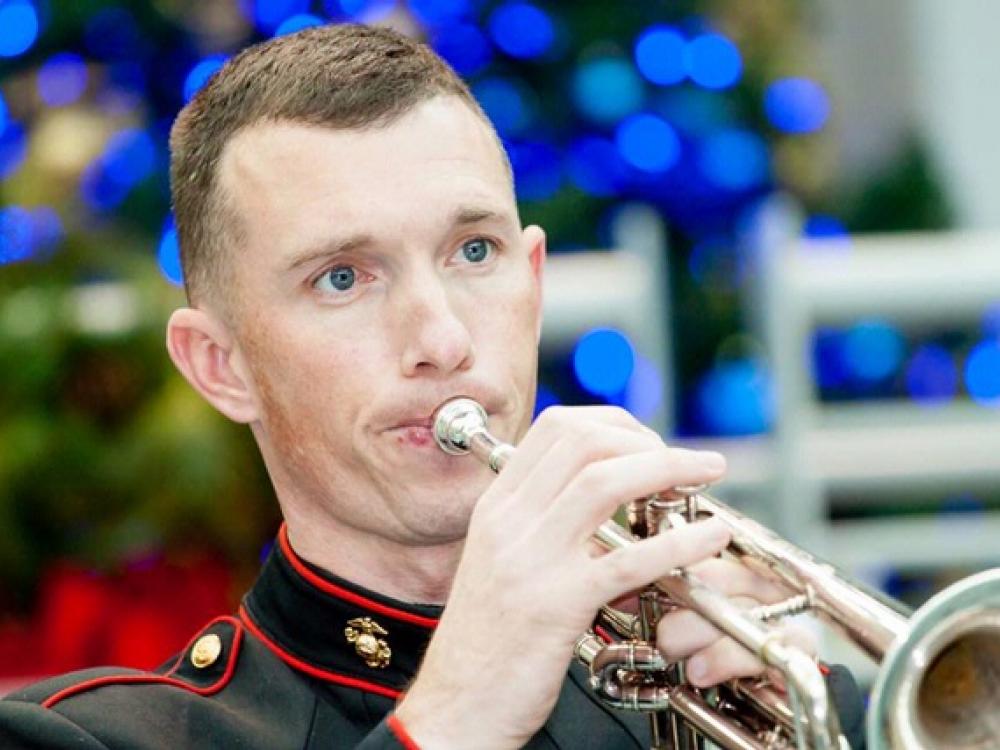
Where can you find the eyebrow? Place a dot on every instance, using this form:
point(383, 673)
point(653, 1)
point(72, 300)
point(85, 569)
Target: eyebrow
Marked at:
point(461, 217)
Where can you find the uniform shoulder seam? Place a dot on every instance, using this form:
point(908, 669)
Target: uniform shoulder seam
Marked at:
point(150, 678)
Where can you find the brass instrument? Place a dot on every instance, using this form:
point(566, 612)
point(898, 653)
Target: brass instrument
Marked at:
point(939, 683)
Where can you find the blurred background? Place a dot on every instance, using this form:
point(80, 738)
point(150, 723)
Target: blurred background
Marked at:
point(772, 224)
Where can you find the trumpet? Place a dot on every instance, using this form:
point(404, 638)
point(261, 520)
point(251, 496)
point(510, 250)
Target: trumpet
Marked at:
point(938, 686)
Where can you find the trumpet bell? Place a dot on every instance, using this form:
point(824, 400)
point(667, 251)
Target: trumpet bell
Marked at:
point(939, 685)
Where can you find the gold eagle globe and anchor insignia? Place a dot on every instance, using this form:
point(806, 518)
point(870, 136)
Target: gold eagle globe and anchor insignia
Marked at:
point(363, 632)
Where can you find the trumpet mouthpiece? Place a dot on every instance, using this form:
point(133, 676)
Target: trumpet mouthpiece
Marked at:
point(456, 422)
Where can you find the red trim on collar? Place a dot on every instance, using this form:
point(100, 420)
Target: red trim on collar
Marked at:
point(341, 593)
point(397, 728)
point(162, 679)
point(323, 674)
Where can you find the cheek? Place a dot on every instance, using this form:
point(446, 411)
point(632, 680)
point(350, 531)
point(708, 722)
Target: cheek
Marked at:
point(515, 313)
point(315, 378)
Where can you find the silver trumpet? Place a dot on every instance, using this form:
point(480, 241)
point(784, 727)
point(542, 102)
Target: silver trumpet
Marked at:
point(938, 686)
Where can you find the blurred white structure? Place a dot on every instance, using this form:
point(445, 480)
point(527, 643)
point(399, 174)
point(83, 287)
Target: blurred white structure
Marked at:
point(624, 288)
point(875, 447)
point(882, 449)
point(902, 67)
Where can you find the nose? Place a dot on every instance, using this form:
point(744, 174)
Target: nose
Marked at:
point(434, 339)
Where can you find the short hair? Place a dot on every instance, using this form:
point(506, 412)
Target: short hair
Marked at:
point(343, 76)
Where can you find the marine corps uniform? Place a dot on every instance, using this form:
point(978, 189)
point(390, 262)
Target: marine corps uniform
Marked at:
point(310, 661)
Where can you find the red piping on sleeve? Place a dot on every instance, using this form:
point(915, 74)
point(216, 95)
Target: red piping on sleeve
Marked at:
point(341, 593)
point(603, 634)
point(397, 728)
point(161, 679)
point(323, 674)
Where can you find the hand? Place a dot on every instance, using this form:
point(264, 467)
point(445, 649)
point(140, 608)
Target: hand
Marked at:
point(529, 583)
point(711, 657)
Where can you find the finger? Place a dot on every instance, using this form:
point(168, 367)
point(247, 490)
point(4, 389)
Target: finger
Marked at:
point(681, 633)
point(795, 635)
point(723, 660)
point(550, 426)
point(568, 456)
point(733, 578)
point(798, 636)
point(642, 562)
point(599, 488)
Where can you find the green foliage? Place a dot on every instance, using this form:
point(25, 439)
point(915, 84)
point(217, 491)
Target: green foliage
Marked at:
point(106, 453)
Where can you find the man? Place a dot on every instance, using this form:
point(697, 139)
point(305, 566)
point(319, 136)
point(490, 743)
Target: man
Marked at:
point(353, 258)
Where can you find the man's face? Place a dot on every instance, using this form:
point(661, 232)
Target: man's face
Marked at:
point(384, 271)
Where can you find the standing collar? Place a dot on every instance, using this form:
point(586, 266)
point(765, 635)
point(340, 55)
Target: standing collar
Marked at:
point(334, 630)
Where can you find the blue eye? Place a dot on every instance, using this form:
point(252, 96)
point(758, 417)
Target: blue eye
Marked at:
point(341, 278)
point(477, 250)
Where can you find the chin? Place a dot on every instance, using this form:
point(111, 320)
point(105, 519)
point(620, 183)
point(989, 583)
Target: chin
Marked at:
point(439, 517)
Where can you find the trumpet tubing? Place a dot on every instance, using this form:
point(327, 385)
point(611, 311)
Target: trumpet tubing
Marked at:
point(938, 688)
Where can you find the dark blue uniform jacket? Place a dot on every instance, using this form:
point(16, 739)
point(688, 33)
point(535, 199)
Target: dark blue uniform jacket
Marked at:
point(283, 673)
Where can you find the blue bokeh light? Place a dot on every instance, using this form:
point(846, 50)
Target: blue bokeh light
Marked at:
point(505, 104)
point(829, 234)
point(796, 105)
point(13, 148)
point(829, 369)
point(18, 27)
point(537, 169)
point(298, 22)
point(437, 12)
point(15, 234)
point(982, 373)
point(3, 114)
point(659, 55)
point(464, 47)
point(62, 79)
point(522, 30)
point(648, 143)
point(873, 351)
point(964, 503)
point(607, 89)
point(595, 166)
point(268, 15)
point(644, 393)
point(603, 362)
point(736, 398)
point(735, 159)
point(713, 61)
point(113, 34)
point(931, 375)
point(544, 398)
point(200, 73)
point(991, 321)
point(28, 233)
point(168, 255)
point(368, 11)
point(128, 75)
point(823, 226)
point(46, 228)
point(128, 159)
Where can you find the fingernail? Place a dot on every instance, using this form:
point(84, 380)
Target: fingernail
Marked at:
point(712, 461)
point(696, 668)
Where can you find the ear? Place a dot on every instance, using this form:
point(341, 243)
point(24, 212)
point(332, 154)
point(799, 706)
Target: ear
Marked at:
point(534, 238)
point(204, 351)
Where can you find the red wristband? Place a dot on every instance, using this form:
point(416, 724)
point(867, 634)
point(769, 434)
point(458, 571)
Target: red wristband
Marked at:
point(397, 728)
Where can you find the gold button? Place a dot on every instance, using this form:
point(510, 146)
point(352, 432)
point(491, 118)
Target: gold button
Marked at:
point(206, 651)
